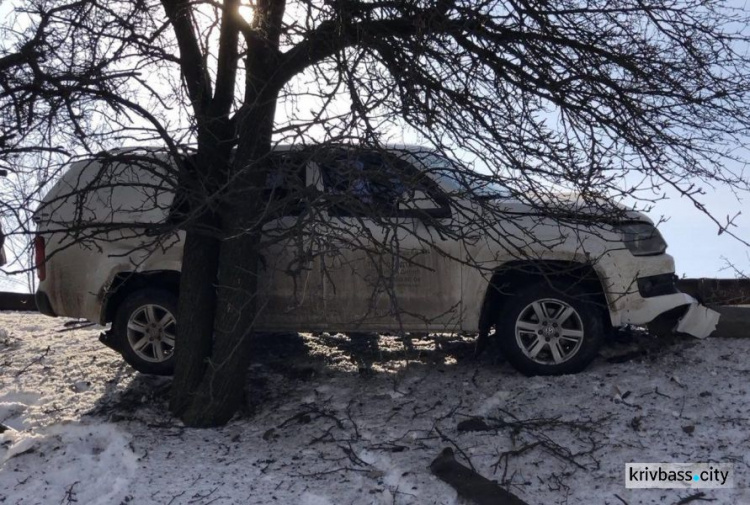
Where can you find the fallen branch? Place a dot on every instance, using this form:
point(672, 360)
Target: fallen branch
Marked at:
point(76, 325)
point(694, 497)
point(469, 484)
point(458, 448)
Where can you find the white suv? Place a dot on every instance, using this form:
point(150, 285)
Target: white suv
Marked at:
point(439, 256)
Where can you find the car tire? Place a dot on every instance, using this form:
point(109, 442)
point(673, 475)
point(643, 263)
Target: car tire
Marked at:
point(549, 330)
point(145, 328)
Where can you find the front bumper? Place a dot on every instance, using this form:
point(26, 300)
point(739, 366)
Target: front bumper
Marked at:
point(642, 289)
point(696, 319)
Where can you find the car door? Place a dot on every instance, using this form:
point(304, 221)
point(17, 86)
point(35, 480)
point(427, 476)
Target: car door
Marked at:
point(291, 288)
point(388, 259)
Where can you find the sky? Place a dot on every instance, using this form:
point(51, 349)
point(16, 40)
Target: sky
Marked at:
point(693, 238)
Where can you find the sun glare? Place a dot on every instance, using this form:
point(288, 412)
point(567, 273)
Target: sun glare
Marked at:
point(247, 13)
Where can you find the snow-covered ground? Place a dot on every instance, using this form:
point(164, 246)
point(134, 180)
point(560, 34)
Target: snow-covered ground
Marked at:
point(336, 421)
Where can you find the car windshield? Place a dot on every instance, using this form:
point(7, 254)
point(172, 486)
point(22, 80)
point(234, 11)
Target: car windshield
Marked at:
point(458, 178)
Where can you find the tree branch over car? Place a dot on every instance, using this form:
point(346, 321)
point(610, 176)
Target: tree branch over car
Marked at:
point(541, 98)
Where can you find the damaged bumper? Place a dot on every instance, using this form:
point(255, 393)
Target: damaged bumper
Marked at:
point(676, 312)
point(698, 321)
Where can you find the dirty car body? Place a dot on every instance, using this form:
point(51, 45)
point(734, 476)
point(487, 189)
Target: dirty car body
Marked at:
point(3, 260)
point(437, 283)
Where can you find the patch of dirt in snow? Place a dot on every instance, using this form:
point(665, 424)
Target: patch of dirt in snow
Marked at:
point(339, 420)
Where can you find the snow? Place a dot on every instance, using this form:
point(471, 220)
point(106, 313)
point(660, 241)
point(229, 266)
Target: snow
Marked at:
point(334, 421)
point(92, 463)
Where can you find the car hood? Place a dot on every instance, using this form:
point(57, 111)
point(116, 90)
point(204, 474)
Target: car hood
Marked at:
point(561, 205)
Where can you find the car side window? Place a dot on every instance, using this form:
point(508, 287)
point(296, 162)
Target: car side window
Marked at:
point(368, 182)
point(285, 183)
point(283, 190)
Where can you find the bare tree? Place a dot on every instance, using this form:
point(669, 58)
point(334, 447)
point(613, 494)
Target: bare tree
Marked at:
point(617, 99)
point(68, 72)
point(570, 94)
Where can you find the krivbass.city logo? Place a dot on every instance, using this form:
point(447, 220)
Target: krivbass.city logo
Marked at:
point(678, 475)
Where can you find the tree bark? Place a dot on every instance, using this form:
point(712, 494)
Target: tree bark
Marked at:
point(199, 181)
point(220, 276)
point(195, 314)
point(221, 391)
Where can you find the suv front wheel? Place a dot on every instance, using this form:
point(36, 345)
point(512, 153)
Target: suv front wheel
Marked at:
point(544, 330)
point(145, 328)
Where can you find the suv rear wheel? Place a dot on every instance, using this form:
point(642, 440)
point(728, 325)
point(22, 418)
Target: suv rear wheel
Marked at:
point(145, 328)
point(545, 330)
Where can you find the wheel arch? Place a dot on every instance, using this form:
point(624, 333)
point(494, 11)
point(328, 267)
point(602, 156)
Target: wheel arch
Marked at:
point(125, 283)
point(509, 277)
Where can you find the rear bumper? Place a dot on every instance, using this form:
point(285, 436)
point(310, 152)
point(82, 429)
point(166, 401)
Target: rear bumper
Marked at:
point(43, 304)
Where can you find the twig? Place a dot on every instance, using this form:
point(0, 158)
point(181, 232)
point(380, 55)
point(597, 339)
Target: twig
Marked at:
point(351, 420)
point(507, 454)
point(33, 362)
point(70, 495)
point(312, 410)
point(623, 501)
point(199, 497)
point(418, 413)
point(452, 411)
point(656, 392)
point(328, 472)
point(538, 428)
point(325, 437)
point(353, 455)
point(175, 497)
point(682, 408)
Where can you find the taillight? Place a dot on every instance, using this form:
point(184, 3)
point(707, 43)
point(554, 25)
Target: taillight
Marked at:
point(39, 257)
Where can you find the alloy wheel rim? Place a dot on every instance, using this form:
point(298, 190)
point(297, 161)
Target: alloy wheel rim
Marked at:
point(549, 331)
point(151, 333)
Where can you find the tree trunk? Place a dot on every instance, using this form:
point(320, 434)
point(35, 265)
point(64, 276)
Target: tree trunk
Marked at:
point(199, 181)
point(221, 392)
point(195, 313)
